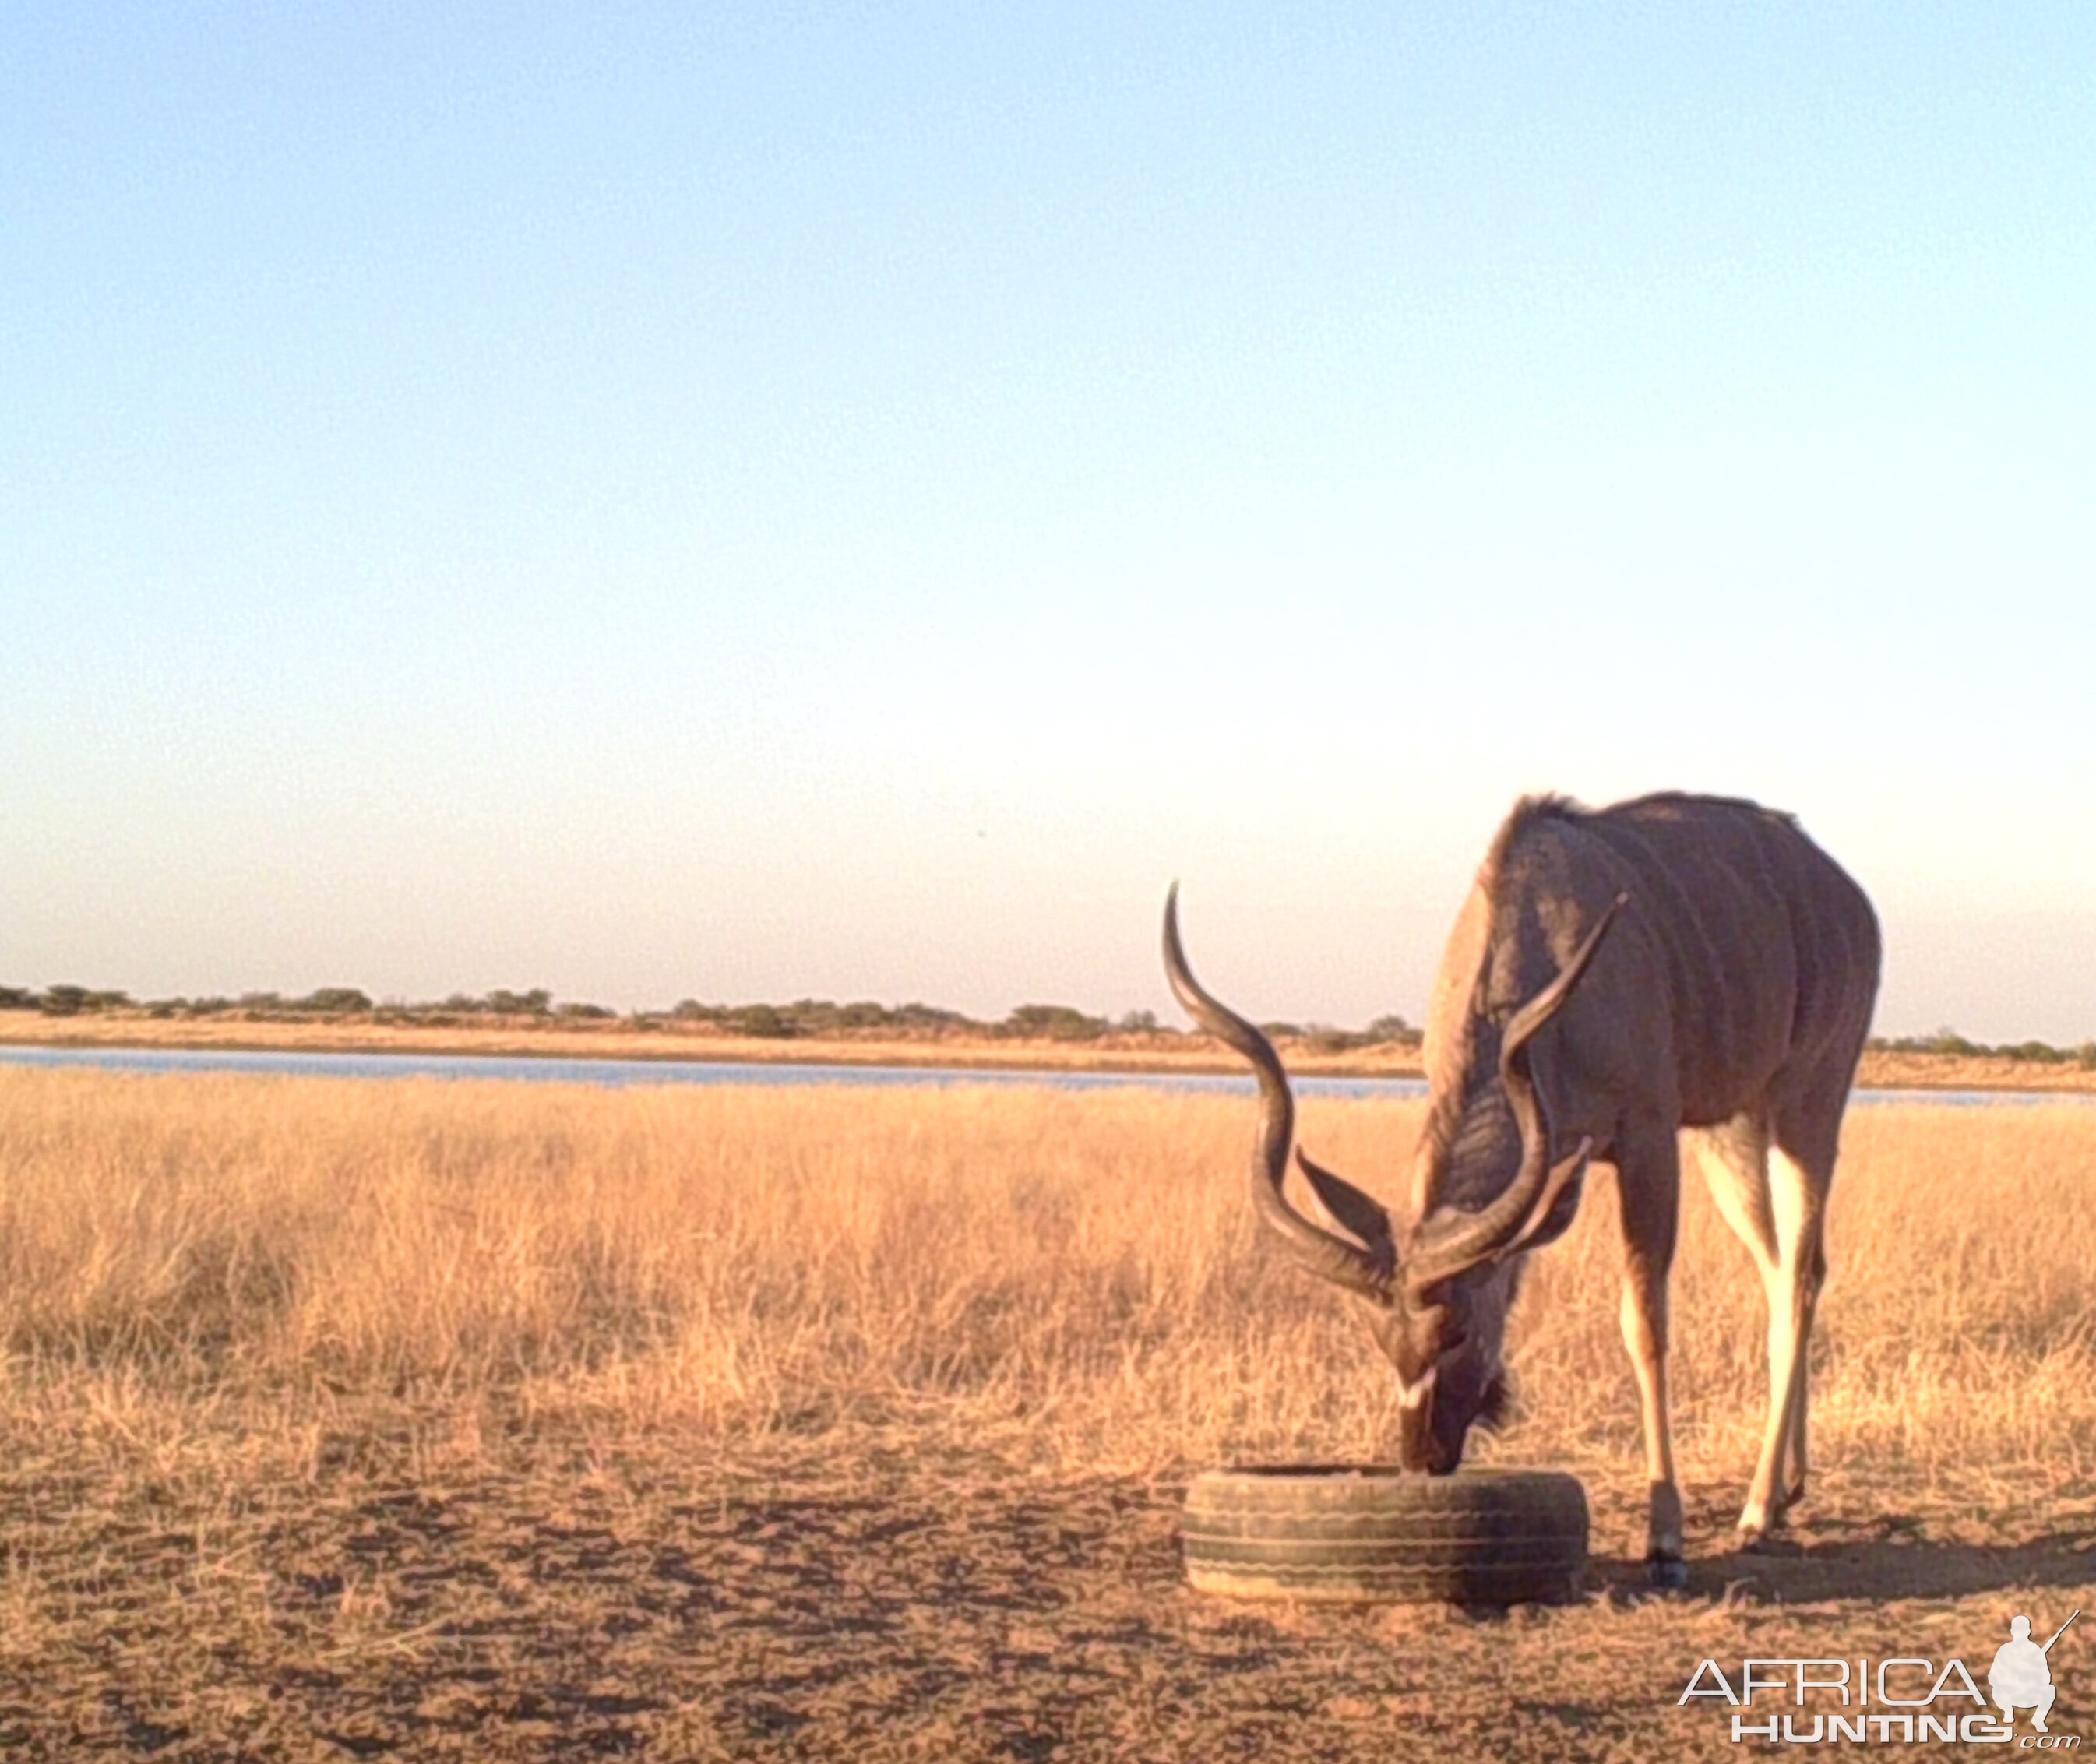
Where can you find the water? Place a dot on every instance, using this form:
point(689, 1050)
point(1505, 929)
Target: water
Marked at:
point(1968, 1098)
point(618, 1073)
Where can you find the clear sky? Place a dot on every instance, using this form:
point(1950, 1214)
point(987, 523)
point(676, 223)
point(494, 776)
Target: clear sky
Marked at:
point(756, 501)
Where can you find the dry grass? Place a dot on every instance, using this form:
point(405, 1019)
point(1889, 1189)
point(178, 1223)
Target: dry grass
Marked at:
point(308, 1382)
point(745, 1260)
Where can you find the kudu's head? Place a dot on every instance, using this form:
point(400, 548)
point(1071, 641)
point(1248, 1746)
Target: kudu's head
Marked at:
point(1437, 1300)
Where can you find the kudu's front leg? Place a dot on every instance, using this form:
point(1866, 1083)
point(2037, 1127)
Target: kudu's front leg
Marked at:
point(1649, 1192)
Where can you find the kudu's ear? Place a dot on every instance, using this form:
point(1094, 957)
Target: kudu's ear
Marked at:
point(1361, 1216)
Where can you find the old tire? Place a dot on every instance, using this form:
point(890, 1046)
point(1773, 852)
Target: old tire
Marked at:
point(1372, 1532)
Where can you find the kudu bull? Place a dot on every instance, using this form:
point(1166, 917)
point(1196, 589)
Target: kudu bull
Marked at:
point(1675, 973)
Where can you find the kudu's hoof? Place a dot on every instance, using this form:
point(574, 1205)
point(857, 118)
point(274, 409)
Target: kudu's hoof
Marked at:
point(1764, 1540)
point(1668, 1573)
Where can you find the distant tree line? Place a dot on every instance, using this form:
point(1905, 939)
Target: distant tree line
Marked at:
point(805, 1019)
point(66, 1001)
point(1384, 1031)
point(818, 1018)
point(1949, 1041)
point(812, 1017)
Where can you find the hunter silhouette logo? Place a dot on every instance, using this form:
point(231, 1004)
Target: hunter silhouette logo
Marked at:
point(1900, 1699)
point(2021, 1676)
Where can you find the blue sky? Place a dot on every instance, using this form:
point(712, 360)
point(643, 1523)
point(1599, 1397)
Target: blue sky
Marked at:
point(757, 502)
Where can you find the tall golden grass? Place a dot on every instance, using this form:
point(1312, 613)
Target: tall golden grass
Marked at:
point(1075, 1274)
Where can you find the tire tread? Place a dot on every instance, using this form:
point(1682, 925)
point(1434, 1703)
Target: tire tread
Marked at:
point(1491, 1537)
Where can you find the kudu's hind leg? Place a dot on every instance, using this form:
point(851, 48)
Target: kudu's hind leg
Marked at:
point(1797, 1199)
point(1648, 1194)
point(1801, 1173)
point(1734, 1158)
point(1792, 1482)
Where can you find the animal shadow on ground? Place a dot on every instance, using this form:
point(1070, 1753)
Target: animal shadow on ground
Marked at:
point(1885, 1557)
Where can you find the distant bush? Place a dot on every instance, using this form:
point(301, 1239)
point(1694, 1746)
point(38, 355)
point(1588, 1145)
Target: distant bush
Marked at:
point(922, 1016)
point(61, 1000)
point(333, 1001)
point(1325, 1039)
point(579, 1009)
point(819, 1016)
point(1943, 1041)
point(1394, 1030)
point(1053, 1022)
point(1137, 1023)
point(536, 1003)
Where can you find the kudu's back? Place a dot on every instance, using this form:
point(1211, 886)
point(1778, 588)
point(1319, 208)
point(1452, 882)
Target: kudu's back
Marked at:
point(1766, 951)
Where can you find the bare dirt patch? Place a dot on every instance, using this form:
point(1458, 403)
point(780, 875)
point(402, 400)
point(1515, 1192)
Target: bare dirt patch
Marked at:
point(891, 1595)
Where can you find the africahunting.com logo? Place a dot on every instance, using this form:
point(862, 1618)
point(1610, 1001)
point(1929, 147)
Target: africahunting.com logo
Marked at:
point(1902, 1700)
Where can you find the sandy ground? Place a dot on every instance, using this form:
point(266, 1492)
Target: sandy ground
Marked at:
point(895, 1596)
point(522, 1038)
